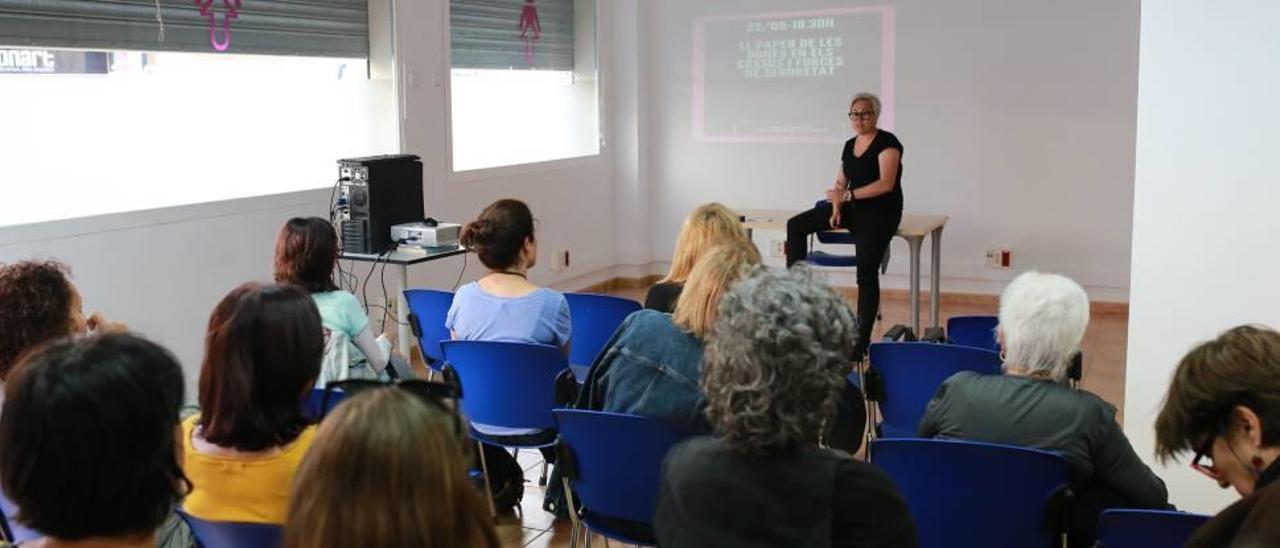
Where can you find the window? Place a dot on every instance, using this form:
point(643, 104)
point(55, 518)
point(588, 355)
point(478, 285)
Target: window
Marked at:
point(92, 130)
point(515, 99)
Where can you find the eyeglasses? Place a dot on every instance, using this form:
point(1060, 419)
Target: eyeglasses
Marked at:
point(856, 114)
point(1206, 469)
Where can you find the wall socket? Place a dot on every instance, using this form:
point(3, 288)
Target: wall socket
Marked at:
point(777, 249)
point(561, 261)
point(1000, 258)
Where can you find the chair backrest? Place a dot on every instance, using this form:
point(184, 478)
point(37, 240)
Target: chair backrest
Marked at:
point(963, 494)
point(316, 406)
point(594, 319)
point(1126, 528)
point(222, 534)
point(429, 308)
point(975, 331)
point(912, 373)
point(617, 459)
point(507, 384)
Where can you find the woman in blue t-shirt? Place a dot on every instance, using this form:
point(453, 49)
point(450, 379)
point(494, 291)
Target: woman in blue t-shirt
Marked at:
point(503, 305)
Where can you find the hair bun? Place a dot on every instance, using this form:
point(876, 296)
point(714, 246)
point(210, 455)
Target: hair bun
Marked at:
point(476, 232)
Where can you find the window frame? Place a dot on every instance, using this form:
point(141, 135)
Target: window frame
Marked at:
point(539, 166)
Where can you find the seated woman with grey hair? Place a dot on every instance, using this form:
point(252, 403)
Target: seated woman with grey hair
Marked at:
point(1042, 321)
point(773, 368)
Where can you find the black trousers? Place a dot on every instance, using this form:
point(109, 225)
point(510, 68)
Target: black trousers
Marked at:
point(872, 228)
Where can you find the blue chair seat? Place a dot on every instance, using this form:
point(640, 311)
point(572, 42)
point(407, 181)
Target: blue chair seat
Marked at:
point(428, 308)
point(911, 373)
point(822, 258)
point(598, 445)
point(594, 318)
point(975, 331)
point(1127, 528)
point(941, 481)
point(219, 534)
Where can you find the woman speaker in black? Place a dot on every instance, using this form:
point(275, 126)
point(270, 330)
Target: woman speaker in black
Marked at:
point(866, 199)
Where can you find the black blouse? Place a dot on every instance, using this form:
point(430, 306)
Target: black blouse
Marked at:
point(865, 169)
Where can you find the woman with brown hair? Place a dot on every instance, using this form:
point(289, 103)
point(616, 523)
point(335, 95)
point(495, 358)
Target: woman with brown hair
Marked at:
point(306, 256)
point(1224, 404)
point(411, 488)
point(706, 227)
point(504, 305)
point(262, 355)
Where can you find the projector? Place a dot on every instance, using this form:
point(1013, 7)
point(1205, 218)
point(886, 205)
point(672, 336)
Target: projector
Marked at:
point(419, 234)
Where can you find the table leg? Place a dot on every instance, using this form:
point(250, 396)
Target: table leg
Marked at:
point(403, 334)
point(914, 296)
point(935, 276)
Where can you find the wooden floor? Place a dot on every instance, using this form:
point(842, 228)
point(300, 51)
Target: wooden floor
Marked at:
point(1105, 345)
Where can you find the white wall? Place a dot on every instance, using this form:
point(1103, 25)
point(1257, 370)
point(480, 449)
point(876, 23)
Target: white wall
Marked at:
point(162, 271)
point(1205, 203)
point(1018, 119)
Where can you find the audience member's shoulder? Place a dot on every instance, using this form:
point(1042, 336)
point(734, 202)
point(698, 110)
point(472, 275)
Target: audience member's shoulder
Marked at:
point(1094, 402)
point(969, 378)
point(651, 319)
point(468, 288)
point(695, 450)
point(852, 472)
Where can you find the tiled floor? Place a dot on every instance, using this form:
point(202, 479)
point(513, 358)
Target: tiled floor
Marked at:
point(1105, 345)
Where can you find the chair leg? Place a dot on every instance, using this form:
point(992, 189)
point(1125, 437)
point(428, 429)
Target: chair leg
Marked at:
point(488, 489)
point(542, 480)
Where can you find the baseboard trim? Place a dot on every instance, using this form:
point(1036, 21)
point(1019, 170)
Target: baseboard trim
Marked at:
point(1096, 308)
point(615, 284)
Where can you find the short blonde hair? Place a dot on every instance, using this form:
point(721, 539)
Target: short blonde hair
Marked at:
point(706, 227)
point(1042, 321)
point(870, 98)
point(699, 301)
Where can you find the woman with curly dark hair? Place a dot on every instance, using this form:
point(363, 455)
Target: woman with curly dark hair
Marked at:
point(773, 370)
point(38, 304)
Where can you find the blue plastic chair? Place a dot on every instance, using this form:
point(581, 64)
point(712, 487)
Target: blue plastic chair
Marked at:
point(427, 309)
point(839, 236)
point(974, 331)
point(963, 493)
point(1128, 528)
point(13, 531)
point(600, 447)
point(317, 408)
point(224, 534)
point(911, 373)
point(594, 318)
point(508, 386)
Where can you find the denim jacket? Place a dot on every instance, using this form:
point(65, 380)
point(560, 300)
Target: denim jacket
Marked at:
point(649, 367)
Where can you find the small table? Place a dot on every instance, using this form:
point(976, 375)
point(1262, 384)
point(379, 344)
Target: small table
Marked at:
point(913, 228)
point(402, 260)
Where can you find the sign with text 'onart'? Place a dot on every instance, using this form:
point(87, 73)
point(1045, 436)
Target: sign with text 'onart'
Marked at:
point(47, 61)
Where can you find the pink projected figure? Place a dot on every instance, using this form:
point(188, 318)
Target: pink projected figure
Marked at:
point(530, 28)
point(232, 11)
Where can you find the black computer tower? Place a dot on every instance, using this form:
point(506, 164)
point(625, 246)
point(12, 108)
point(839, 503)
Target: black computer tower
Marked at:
point(376, 193)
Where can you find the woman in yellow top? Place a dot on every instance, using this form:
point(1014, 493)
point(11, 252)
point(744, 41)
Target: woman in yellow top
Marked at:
point(262, 355)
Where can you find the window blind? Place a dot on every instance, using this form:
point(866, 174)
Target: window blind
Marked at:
point(485, 34)
point(321, 28)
